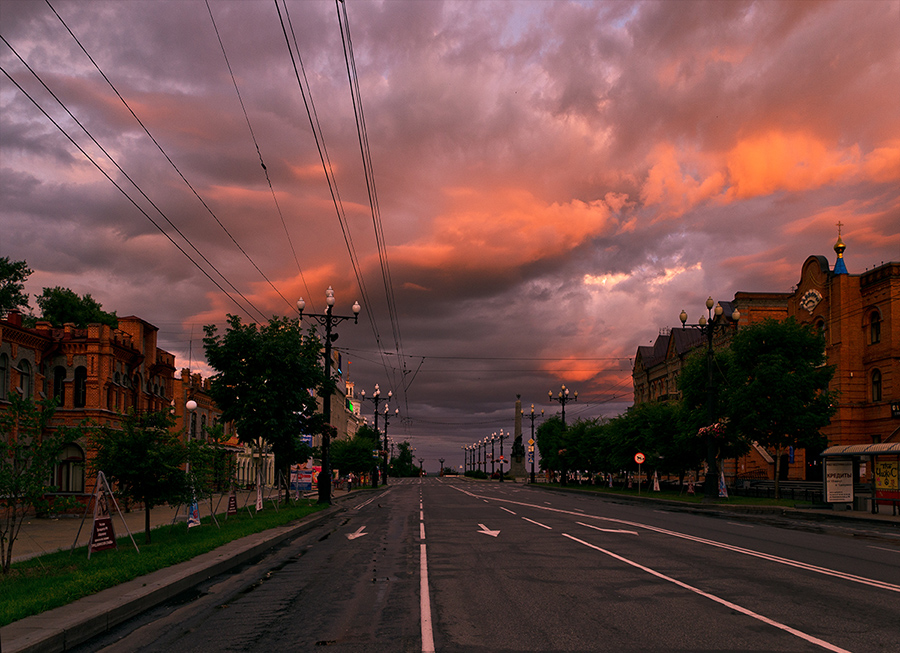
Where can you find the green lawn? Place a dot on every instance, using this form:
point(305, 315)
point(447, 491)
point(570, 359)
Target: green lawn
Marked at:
point(669, 495)
point(49, 581)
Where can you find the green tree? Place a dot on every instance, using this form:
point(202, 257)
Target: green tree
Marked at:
point(779, 380)
point(28, 452)
point(402, 464)
point(144, 459)
point(553, 445)
point(355, 455)
point(265, 381)
point(61, 305)
point(12, 284)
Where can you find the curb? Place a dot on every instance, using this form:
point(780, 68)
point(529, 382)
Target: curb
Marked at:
point(63, 628)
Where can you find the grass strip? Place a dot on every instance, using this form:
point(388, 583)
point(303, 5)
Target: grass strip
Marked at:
point(671, 495)
point(56, 579)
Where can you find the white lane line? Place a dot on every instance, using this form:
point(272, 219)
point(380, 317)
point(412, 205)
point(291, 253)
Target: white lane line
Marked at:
point(538, 523)
point(793, 631)
point(421, 530)
point(607, 530)
point(734, 523)
point(881, 548)
point(425, 603)
point(507, 510)
point(421, 515)
point(736, 549)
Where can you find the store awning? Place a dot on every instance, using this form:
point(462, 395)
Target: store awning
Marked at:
point(880, 449)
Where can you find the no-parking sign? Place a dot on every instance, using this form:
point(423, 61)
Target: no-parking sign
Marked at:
point(639, 458)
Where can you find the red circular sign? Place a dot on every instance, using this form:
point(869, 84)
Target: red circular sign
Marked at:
point(639, 458)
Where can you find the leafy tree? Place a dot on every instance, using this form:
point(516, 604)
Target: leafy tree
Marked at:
point(61, 305)
point(779, 380)
point(12, 284)
point(355, 455)
point(144, 459)
point(27, 456)
point(553, 447)
point(402, 464)
point(264, 382)
point(211, 466)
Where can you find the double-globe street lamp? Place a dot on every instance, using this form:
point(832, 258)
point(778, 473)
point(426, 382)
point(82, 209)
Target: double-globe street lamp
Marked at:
point(708, 327)
point(387, 419)
point(532, 416)
point(501, 437)
point(328, 320)
point(376, 399)
point(563, 398)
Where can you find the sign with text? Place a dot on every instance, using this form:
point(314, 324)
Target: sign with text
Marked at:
point(838, 480)
point(103, 536)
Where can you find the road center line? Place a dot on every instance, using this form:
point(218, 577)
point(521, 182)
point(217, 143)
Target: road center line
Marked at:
point(425, 604)
point(507, 510)
point(712, 597)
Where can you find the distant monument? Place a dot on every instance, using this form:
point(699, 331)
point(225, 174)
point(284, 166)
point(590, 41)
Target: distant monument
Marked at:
point(517, 457)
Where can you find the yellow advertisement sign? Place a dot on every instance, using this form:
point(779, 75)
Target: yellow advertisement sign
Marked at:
point(886, 473)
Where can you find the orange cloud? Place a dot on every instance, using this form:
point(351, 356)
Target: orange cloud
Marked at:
point(776, 161)
point(673, 188)
point(504, 228)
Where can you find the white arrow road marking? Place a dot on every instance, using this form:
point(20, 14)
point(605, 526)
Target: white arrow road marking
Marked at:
point(486, 531)
point(358, 533)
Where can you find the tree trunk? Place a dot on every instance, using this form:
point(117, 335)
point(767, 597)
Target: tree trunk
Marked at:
point(777, 472)
point(146, 522)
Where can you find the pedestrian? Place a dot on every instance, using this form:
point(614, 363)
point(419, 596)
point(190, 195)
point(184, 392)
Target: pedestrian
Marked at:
point(349, 481)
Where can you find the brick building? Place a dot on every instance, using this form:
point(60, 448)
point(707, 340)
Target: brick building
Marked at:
point(96, 373)
point(860, 316)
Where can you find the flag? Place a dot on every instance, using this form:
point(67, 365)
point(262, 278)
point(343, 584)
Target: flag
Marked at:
point(723, 491)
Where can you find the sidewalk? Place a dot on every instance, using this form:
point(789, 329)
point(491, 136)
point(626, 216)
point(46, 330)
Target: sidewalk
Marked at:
point(46, 535)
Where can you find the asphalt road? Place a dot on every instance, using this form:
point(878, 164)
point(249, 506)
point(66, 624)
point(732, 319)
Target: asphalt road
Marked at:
point(514, 568)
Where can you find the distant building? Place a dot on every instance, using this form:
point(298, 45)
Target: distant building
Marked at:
point(860, 316)
point(97, 373)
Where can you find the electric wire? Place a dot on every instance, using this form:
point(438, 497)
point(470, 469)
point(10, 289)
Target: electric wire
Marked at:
point(122, 190)
point(168, 158)
point(259, 154)
point(369, 174)
point(125, 174)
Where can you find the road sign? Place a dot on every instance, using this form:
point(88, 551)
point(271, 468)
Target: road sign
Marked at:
point(530, 440)
point(639, 458)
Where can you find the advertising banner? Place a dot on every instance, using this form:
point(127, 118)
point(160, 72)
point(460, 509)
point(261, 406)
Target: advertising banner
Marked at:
point(193, 514)
point(838, 480)
point(887, 483)
point(232, 503)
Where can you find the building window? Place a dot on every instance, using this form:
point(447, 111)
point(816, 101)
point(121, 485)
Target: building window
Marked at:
point(68, 475)
point(876, 385)
point(874, 327)
point(4, 375)
point(25, 379)
point(59, 385)
point(79, 388)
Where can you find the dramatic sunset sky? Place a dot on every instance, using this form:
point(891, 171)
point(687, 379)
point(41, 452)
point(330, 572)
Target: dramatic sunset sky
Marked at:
point(555, 181)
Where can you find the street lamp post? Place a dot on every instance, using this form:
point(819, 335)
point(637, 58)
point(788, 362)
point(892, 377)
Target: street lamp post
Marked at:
point(387, 417)
point(532, 416)
point(376, 399)
point(563, 398)
point(441, 461)
point(708, 327)
point(421, 467)
point(501, 454)
point(328, 320)
point(493, 440)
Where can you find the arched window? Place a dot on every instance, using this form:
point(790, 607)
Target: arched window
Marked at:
point(25, 379)
point(79, 387)
point(4, 376)
point(110, 397)
point(68, 475)
point(203, 426)
point(59, 385)
point(876, 385)
point(874, 327)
